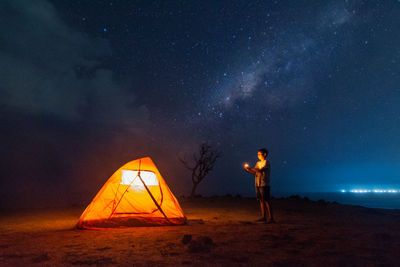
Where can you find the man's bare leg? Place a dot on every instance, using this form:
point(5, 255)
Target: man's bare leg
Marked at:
point(269, 210)
point(262, 206)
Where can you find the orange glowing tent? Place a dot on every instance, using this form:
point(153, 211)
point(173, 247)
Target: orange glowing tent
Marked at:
point(135, 195)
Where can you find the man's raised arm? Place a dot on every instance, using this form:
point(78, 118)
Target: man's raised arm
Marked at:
point(252, 171)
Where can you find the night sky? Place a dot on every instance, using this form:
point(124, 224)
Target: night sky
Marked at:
point(87, 86)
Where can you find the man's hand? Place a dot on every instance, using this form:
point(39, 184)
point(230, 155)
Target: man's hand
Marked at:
point(246, 167)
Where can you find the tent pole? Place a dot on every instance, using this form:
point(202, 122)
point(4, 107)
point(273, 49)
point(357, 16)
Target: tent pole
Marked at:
point(148, 191)
point(118, 202)
point(152, 197)
point(126, 190)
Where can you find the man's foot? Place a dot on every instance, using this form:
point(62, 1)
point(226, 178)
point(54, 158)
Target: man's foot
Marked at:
point(271, 221)
point(262, 219)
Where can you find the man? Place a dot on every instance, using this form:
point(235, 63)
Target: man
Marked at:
point(262, 172)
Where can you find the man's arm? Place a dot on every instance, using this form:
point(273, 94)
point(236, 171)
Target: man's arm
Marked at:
point(252, 171)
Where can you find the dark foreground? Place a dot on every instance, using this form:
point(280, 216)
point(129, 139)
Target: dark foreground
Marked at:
point(221, 231)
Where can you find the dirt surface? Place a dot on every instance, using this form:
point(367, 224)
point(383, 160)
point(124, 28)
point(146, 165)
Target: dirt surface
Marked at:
point(220, 231)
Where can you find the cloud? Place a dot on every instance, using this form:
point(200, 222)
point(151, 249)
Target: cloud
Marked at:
point(47, 67)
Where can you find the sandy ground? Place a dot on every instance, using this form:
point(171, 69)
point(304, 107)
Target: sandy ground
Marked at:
point(220, 231)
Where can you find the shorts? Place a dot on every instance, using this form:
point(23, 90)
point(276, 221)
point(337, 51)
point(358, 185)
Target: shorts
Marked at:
point(263, 193)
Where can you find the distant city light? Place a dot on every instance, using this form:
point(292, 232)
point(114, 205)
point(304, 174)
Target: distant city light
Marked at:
point(371, 191)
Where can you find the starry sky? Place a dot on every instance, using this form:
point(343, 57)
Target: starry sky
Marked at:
point(89, 85)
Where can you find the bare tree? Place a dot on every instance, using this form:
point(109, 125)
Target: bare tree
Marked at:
point(203, 163)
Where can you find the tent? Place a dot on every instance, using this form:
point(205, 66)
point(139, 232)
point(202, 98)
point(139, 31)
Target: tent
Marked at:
point(135, 195)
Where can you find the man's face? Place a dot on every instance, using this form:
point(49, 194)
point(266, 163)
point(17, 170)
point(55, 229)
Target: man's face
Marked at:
point(260, 155)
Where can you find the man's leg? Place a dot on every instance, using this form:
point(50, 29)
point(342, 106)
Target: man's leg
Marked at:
point(269, 210)
point(262, 206)
point(268, 203)
point(260, 200)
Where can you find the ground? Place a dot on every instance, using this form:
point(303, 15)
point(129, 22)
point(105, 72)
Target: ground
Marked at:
point(220, 231)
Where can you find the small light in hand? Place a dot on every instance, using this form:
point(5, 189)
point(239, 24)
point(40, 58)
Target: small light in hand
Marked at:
point(246, 165)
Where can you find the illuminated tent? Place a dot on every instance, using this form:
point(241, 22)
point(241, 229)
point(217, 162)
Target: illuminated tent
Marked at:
point(135, 195)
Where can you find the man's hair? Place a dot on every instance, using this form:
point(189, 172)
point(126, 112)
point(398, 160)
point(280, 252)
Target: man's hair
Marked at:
point(264, 151)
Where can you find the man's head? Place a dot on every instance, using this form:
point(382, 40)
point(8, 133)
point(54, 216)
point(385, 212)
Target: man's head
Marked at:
point(262, 153)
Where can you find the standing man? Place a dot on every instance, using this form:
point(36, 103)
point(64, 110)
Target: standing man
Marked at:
point(262, 171)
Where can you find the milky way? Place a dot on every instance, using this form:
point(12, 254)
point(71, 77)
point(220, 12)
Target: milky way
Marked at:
point(98, 83)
